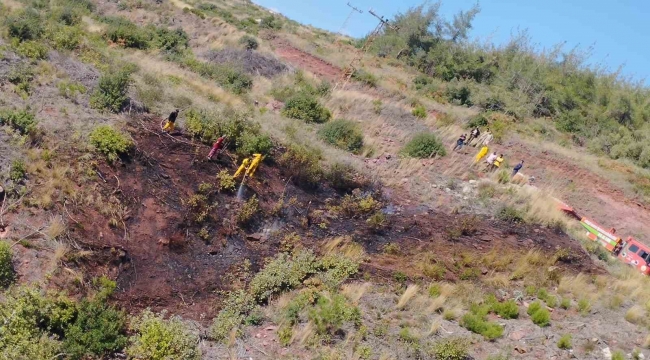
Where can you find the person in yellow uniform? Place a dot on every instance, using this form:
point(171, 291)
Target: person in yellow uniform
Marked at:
point(171, 122)
point(242, 167)
point(257, 158)
point(481, 154)
point(497, 162)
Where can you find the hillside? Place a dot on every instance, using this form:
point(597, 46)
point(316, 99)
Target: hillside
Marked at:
point(361, 235)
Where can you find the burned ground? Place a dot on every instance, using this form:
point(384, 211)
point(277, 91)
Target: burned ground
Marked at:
point(153, 249)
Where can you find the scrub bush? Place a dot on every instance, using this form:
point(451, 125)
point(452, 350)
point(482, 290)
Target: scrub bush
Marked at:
point(284, 272)
point(110, 142)
point(419, 112)
point(158, 339)
point(99, 329)
point(32, 49)
point(539, 314)
point(365, 77)
point(25, 25)
point(7, 272)
point(22, 121)
point(302, 164)
point(111, 92)
point(248, 211)
point(450, 349)
point(249, 42)
point(424, 145)
point(565, 342)
point(331, 312)
point(307, 108)
point(232, 315)
point(17, 170)
point(343, 134)
point(342, 177)
point(251, 143)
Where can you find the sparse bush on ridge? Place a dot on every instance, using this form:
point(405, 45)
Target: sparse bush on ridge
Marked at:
point(249, 42)
point(22, 121)
point(343, 134)
point(307, 108)
point(424, 145)
point(111, 91)
point(302, 164)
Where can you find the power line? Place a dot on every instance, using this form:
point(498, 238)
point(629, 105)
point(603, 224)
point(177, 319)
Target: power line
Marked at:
point(351, 68)
point(347, 19)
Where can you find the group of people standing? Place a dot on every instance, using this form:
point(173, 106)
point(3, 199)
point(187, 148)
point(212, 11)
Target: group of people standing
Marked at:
point(476, 138)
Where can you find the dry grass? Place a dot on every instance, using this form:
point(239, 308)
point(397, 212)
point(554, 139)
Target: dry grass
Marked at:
point(355, 291)
point(635, 315)
point(344, 245)
point(408, 294)
point(56, 228)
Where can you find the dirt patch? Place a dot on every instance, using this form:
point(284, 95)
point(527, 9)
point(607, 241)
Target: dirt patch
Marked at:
point(306, 61)
point(251, 62)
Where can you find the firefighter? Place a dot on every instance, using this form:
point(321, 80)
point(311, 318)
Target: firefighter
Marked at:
point(497, 162)
point(242, 167)
point(481, 154)
point(171, 122)
point(257, 158)
point(217, 147)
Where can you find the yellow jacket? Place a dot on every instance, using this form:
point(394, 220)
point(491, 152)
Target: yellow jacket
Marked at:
point(498, 161)
point(479, 156)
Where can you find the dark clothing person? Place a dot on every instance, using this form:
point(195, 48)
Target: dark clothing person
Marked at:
point(473, 135)
point(517, 168)
point(460, 142)
point(173, 116)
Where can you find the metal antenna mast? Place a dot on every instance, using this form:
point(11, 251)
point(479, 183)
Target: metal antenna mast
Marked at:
point(350, 69)
point(345, 23)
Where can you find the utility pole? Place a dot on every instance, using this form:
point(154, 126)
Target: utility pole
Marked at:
point(350, 69)
point(345, 23)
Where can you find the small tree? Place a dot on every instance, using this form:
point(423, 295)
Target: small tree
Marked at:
point(111, 92)
point(159, 339)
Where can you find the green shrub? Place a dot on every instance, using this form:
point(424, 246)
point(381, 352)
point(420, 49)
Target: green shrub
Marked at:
point(342, 177)
point(285, 333)
point(111, 92)
point(365, 77)
point(28, 320)
point(70, 89)
point(68, 16)
point(618, 355)
point(22, 121)
point(377, 221)
point(227, 76)
point(282, 273)
point(419, 112)
point(17, 171)
point(434, 290)
point(247, 211)
point(158, 339)
point(249, 42)
point(450, 349)
point(478, 324)
point(7, 273)
point(305, 107)
point(236, 308)
point(98, 329)
point(565, 303)
point(510, 214)
point(170, 41)
point(271, 22)
point(123, 32)
point(226, 182)
point(302, 164)
point(584, 306)
point(565, 342)
point(65, 37)
point(424, 145)
point(251, 143)
point(331, 312)
point(32, 49)
point(343, 134)
point(539, 314)
point(507, 309)
point(25, 25)
point(110, 142)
